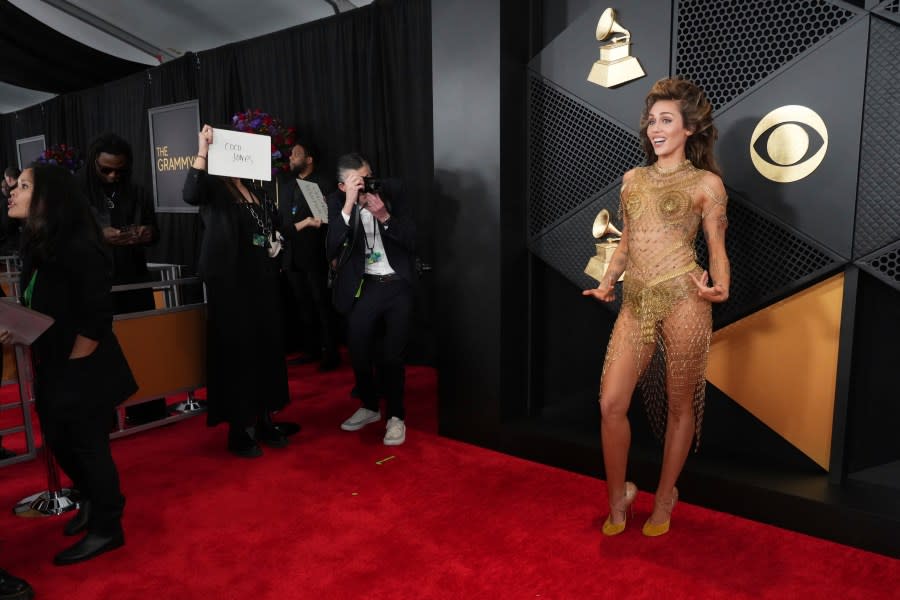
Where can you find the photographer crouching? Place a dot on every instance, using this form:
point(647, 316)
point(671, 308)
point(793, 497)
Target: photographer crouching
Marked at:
point(370, 247)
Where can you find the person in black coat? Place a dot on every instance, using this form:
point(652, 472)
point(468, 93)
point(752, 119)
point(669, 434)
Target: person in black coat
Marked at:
point(128, 221)
point(246, 374)
point(306, 267)
point(80, 371)
point(371, 240)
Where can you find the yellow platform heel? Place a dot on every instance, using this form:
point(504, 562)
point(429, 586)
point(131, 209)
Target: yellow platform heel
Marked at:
point(658, 529)
point(610, 528)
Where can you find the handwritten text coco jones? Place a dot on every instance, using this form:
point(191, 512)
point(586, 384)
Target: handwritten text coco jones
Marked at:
point(237, 156)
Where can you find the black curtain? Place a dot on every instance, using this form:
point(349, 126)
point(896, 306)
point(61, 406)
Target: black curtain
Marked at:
point(358, 81)
point(38, 57)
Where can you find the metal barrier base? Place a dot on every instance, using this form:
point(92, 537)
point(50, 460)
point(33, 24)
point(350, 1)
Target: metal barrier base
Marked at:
point(189, 406)
point(47, 503)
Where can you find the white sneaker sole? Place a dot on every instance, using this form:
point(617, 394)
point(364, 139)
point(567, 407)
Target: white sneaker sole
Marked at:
point(395, 442)
point(360, 424)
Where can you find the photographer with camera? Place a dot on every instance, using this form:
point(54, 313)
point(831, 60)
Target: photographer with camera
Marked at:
point(370, 246)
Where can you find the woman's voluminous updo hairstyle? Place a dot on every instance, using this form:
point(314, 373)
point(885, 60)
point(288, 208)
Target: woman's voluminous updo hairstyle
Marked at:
point(697, 114)
point(58, 213)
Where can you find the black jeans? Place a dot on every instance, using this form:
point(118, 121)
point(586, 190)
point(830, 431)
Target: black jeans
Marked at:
point(389, 304)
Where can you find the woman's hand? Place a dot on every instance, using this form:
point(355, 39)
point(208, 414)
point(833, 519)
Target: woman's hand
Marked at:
point(6, 337)
point(715, 293)
point(204, 139)
point(603, 292)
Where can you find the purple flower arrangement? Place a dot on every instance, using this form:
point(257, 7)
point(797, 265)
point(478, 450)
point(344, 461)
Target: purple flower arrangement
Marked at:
point(258, 122)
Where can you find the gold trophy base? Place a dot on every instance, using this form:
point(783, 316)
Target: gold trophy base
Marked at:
point(597, 265)
point(610, 74)
point(595, 268)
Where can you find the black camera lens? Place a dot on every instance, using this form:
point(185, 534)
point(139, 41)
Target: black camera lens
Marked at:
point(371, 185)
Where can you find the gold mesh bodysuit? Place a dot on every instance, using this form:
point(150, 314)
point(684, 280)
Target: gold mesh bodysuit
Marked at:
point(663, 322)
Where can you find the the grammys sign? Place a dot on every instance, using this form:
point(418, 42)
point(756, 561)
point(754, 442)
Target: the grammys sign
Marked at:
point(173, 144)
point(789, 143)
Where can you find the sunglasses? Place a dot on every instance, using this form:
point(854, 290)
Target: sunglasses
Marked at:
point(110, 170)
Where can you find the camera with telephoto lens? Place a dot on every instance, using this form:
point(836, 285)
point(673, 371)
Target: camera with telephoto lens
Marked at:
point(371, 185)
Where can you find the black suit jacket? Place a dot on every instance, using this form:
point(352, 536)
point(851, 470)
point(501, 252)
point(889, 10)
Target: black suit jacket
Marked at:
point(306, 248)
point(73, 287)
point(398, 236)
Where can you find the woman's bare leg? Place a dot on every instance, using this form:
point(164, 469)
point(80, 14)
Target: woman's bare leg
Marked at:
point(619, 380)
point(686, 343)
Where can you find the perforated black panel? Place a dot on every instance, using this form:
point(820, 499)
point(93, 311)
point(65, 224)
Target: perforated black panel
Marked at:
point(768, 261)
point(574, 153)
point(569, 245)
point(884, 264)
point(878, 202)
point(727, 46)
point(889, 10)
point(889, 7)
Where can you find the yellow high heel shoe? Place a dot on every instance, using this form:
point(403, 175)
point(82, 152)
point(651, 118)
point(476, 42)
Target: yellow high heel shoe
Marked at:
point(610, 528)
point(658, 529)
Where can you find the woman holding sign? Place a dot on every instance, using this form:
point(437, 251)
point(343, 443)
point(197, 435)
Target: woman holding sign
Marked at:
point(246, 376)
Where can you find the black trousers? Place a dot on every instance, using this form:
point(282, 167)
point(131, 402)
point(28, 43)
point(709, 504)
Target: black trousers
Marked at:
point(317, 316)
point(79, 441)
point(388, 304)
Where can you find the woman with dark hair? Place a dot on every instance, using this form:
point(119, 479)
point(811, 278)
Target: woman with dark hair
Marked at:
point(80, 370)
point(246, 374)
point(661, 337)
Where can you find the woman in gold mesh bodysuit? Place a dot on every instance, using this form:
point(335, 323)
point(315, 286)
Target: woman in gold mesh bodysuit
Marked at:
point(660, 340)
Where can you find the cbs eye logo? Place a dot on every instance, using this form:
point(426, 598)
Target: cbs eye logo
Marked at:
point(789, 143)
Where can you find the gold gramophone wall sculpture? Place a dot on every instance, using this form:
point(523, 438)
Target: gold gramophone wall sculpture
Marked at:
point(602, 228)
point(616, 65)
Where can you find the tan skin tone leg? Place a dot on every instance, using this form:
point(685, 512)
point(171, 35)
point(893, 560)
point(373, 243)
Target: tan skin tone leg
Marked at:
point(618, 386)
point(680, 417)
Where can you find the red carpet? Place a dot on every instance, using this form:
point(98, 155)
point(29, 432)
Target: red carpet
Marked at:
point(322, 519)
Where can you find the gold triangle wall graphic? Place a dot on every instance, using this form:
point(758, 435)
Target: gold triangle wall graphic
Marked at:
point(781, 365)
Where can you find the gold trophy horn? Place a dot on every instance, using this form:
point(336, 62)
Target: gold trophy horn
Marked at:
point(616, 65)
point(601, 228)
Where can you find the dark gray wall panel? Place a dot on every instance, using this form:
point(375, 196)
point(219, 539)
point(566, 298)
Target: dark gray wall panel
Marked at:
point(889, 9)
point(884, 265)
point(728, 46)
point(878, 203)
point(568, 59)
point(574, 152)
point(822, 205)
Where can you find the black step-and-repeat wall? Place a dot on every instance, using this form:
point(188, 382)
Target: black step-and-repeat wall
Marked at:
point(804, 93)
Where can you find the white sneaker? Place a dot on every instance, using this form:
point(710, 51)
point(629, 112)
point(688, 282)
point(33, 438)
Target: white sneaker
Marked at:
point(396, 432)
point(361, 418)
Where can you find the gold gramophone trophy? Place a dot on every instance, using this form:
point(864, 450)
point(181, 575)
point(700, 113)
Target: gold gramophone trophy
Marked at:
point(597, 265)
point(616, 65)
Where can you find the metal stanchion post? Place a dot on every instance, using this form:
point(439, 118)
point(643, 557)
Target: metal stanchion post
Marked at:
point(191, 405)
point(55, 500)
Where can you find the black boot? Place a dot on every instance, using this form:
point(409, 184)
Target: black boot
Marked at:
point(78, 523)
point(268, 433)
point(91, 545)
point(241, 444)
point(13, 588)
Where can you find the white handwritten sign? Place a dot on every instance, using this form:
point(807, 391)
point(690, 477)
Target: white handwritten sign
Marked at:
point(237, 154)
point(315, 199)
